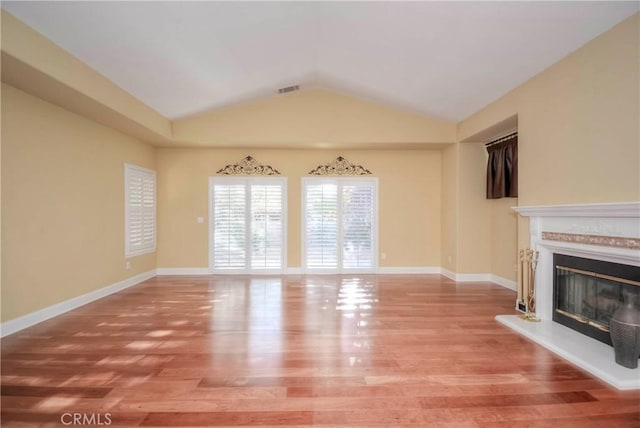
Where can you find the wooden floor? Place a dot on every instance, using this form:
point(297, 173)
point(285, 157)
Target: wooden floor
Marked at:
point(361, 351)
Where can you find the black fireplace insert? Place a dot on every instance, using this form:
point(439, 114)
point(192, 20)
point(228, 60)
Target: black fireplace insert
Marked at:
point(587, 292)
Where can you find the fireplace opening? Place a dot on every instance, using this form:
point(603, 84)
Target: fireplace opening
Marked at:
point(587, 292)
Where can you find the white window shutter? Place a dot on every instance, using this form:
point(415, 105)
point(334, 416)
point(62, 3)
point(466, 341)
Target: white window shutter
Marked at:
point(357, 226)
point(266, 226)
point(149, 211)
point(340, 224)
point(140, 210)
point(321, 222)
point(229, 208)
point(248, 224)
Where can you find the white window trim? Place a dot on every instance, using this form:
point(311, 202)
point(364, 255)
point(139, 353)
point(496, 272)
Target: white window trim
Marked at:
point(249, 180)
point(128, 170)
point(341, 182)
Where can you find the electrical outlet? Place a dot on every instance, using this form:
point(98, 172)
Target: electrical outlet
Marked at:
point(128, 265)
point(383, 256)
point(199, 220)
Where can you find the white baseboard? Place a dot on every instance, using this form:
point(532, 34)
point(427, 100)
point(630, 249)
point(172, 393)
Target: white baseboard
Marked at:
point(401, 270)
point(449, 274)
point(473, 277)
point(479, 277)
point(410, 270)
point(466, 277)
point(20, 323)
point(183, 271)
point(506, 283)
point(207, 271)
point(300, 271)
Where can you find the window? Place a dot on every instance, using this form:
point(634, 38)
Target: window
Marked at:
point(247, 224)
point(340, 224)
point(140, 210)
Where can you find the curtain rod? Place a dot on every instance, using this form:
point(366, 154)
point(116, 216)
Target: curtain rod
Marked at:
point(500, 140)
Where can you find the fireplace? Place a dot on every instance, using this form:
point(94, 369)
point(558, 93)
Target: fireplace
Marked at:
point(606, 233)
point(587, 292)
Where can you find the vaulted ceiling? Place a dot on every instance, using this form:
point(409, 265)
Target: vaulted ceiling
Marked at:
point(443, 59)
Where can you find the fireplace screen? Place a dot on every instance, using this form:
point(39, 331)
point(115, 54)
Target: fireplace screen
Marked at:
point(588, 292)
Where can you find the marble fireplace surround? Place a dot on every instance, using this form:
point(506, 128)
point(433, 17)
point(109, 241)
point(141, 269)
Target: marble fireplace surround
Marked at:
point(609, 232)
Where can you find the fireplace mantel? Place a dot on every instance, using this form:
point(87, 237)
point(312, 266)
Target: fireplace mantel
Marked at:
point(615, 209)
point(602, 231)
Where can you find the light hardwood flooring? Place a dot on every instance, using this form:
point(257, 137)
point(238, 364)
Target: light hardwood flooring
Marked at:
point(360, 351)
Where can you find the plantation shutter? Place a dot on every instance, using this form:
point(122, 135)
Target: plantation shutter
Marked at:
point(266, 226)
point(247, 224)
point(140, 210)
point(149, 210)
point(321, 222)
point(340, 224)
point(357, 226)
point(229, 208)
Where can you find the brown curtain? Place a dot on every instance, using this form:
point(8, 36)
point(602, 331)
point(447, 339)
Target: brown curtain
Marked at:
point(502, 169)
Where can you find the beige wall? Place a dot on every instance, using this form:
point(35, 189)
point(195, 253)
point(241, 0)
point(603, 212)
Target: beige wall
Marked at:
point(504, 237)
point(474, 234)
point(312, 118)
point(578, 124)
point(479, 235)
point(579, 136)
point(409, 198)
point(449, 215)
point(63, 210)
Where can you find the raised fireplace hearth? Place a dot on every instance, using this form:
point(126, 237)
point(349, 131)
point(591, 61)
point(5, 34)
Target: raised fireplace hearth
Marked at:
point(598, 232)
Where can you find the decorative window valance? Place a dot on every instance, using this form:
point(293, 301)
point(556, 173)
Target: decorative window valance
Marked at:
point(248, 166)
point(502, 168)
point(340, 166)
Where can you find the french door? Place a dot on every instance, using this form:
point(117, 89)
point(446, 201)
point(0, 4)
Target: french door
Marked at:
point(247, 224)
point(340, 230)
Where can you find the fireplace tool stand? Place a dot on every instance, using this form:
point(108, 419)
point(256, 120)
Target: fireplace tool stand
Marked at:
point(526, 301)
